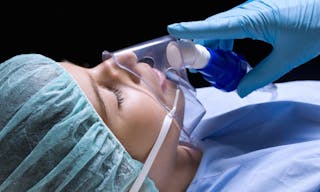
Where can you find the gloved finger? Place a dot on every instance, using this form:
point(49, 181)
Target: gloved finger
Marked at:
point(243, 21)
point(267, 71)
point(222, 28)
point(216, 44)
point(240, 10)
point(226, 44)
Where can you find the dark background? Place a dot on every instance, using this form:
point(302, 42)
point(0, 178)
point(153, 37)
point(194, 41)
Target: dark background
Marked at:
point(80, 31)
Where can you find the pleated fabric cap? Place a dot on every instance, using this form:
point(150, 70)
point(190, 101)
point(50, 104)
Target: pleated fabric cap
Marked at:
point(51, 137)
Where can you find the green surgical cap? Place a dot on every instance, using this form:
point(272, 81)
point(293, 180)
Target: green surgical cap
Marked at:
point(51, 137)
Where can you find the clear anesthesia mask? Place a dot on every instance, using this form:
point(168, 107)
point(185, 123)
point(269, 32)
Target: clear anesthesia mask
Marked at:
point(154, 53)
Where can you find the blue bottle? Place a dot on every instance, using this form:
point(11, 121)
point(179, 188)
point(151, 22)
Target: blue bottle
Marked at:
point(223, 69)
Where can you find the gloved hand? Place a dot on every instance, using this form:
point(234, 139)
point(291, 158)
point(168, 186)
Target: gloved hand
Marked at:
point(291, 27)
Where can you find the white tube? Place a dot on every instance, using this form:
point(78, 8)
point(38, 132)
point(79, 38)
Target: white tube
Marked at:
point(184, 53)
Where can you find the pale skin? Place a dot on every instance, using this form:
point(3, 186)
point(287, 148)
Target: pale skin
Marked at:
point(134, 115)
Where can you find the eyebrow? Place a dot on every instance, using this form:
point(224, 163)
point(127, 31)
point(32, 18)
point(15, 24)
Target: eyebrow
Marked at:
point(97, 93)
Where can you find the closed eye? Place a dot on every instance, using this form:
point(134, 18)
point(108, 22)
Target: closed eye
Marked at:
point(119, 96)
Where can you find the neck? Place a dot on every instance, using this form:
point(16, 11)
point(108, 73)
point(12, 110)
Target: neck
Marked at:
point(186, 167)
point(175, 164)
point(177, 173)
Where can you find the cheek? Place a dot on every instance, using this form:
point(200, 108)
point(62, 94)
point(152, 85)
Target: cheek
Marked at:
point(140, 122)
point(143, 112)
point(170, 93)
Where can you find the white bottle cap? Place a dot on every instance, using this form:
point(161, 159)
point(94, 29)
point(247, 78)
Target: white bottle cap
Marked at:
point(202, 58)
point(186, 53)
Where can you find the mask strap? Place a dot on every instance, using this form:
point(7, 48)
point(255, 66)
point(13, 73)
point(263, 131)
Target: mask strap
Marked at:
point(156, 147)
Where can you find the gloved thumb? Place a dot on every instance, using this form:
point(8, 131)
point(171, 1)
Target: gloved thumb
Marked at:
point(267, 71)
point(231, 24)
point(223, 28)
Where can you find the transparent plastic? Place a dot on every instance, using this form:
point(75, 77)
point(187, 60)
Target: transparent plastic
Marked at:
point(171, 56)
point(153, 53)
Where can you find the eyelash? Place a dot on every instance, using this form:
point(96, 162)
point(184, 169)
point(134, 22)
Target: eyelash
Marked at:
point(119, 95)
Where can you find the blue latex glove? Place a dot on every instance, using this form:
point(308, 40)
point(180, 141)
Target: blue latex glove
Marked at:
point(291, 27)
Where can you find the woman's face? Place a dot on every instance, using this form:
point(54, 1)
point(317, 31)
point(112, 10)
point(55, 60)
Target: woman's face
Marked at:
point(125, 103)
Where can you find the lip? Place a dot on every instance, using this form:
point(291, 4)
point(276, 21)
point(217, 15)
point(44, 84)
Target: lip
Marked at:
point(161, 77)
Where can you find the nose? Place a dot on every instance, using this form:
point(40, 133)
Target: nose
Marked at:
point(127, 59)
point(109, 70)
